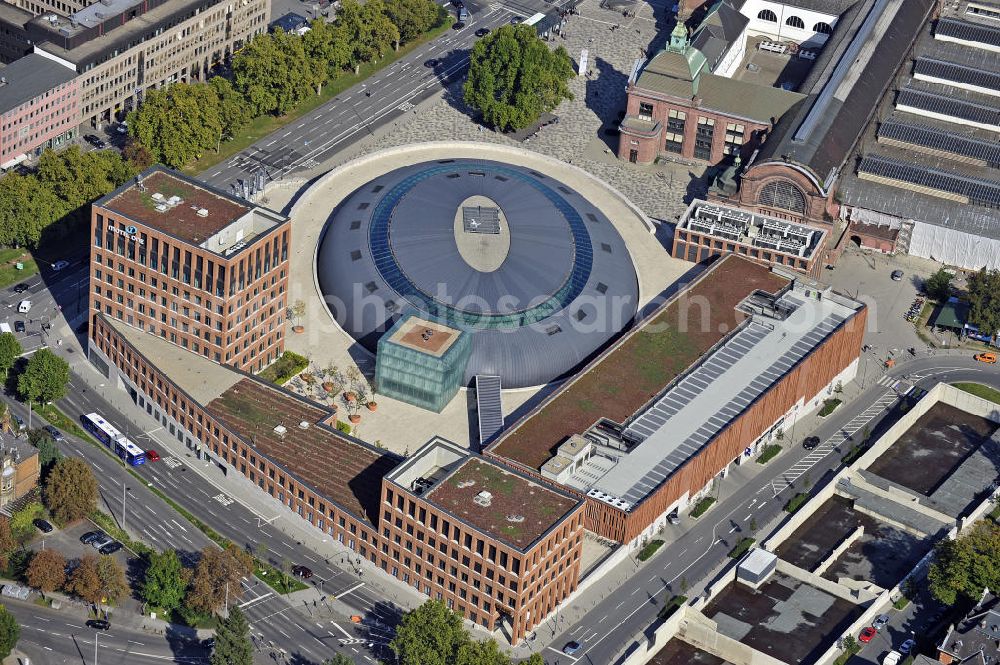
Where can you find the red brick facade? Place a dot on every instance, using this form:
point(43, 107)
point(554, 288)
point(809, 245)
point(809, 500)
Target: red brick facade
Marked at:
point(678, 129)
point(785, 191)
point(230, 309)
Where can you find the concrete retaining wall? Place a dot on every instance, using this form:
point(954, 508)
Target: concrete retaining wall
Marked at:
point(812, 579)
point(799, 517)
point(822, 566)
point(701, 632)
point(642, 651)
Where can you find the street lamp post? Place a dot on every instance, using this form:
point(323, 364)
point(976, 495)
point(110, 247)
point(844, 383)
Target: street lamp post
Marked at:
point(95, 646)
point(125, 488)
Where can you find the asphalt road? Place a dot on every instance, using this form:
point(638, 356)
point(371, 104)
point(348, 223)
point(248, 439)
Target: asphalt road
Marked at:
point(380, 100)
point(50, 637)
point(622, 617)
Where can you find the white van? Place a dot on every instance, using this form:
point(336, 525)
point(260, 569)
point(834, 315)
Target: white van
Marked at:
point(5, 327)
point(24, 306)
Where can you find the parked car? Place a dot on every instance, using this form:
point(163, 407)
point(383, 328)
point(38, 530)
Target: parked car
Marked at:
point(810, 442)
point(101, 541)
point(907, 646)
point(19, 326)
point(59, 265)
point(896, 275)
point(989, 358)
point(432, 63)
point(302, 571)
point(880, 622)
point(19, 421)
point(152, 456)
point(571, 647)
point(21, 288)
point(54, 433)
point(99, 624)
point(110, 548)
point(95, 141)
point(122, 127)
point(482, 32)
point(892, 658)
point(24, 307)
point(867, 634)
point(458, 25)
point(514, 20)
point(90, 537)
point(43, 525)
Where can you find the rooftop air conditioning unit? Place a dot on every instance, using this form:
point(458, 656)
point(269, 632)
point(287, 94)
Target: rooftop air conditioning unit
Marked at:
point(280, 430)
point(175, 200)
point(157, 196)
point(203, 212)
point(304, 424)
point(516, 519)
point(483, 499)
point(161, 207)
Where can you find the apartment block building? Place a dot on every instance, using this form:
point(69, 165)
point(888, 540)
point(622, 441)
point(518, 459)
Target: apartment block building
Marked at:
point(122, 48)
point(200, 268)
point(39, 107)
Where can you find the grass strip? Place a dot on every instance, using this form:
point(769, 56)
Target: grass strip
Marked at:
point(672, 606)
point(979, 390)
point(768, 453)
point(284, 368)
point(702, 506)
point(267, 124)
point(650, 549)
point(9, 258)
point(796, 502)
point(741, 548)
point(829, 406)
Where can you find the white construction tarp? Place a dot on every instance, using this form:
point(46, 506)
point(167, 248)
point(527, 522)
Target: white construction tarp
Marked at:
point(954, 248)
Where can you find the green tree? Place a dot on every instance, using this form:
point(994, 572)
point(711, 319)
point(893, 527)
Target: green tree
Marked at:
point(233, 110)
point(938, 285)
point(481, 653)
point(47, 571)
point(166, 581)
point(217, 577)
point(78, 178)
point(114, 585)
point(984, 301)
point(10, 632)
point(966, 565)
point(338, 659)
point(429, 635)
point(70, 490)
point(366, 30)
point(10, 349)
point(21, 527)
point(274, 74)
point(325, 45)
point(44, 378)
point(26, 207)
point(412, 18)
point(177, 123)
point(7, 542)
point(232, 641)
point(514, 77)
point(48, 450)
point(535, 659)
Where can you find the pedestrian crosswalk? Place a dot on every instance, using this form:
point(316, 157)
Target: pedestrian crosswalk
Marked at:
point(842, 439)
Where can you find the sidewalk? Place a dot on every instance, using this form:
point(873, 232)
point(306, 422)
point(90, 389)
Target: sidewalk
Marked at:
point(268, 510)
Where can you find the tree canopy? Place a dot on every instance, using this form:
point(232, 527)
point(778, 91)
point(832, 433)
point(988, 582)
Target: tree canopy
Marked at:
point(434, 635)
point(166, 581)
point(48, 450)
point(514, 77)
point(232, 640)
point(966, 565)
point(216, 570)
point(85, 581)
point(44, 378)
point(938, 285)
point(10, 348)
point(47, 571)
point(70, 490)
point(984, 301)
point(10, 632)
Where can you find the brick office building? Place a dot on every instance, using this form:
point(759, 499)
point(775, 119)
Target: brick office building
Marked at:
point(201, 269)
point(121, 48)
point(499, 548)
point(710, 377)
point(39, 107)
point(677, 108)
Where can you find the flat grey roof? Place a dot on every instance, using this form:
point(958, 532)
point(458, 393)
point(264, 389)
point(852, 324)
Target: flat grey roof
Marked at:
point(695, 409)
point(29, 77)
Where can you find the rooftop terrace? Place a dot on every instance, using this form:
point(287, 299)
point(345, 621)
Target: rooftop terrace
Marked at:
point(189, 210)
point(643, 363)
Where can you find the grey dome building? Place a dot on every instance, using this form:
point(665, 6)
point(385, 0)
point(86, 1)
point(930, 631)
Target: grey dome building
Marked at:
point(535, 272)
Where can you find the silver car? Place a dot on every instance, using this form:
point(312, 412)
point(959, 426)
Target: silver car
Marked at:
point(880, 622)
point(101, 541)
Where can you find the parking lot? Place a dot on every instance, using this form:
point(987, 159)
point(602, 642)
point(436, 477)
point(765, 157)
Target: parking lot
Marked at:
point(67, 542)
point(882, 555)
point(679, 652)
point(785, 618)
point(930, 451)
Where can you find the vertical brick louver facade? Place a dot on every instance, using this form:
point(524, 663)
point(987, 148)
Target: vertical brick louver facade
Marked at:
point(227, 307)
